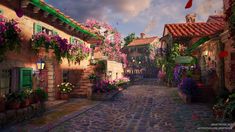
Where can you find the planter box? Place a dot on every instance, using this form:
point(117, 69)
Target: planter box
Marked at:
point(10, 117)
point(184, 97)
point(104, 96)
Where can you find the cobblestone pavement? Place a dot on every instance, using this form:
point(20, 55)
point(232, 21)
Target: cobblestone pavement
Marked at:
point(142, 107)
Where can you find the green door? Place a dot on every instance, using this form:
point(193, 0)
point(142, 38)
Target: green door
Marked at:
point(26, 78)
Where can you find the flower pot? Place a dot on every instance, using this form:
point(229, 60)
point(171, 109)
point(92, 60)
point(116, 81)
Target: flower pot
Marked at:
point(2, 106)
point(14, 105)
point(64, 96)
point(218, 113)
point(25, 103)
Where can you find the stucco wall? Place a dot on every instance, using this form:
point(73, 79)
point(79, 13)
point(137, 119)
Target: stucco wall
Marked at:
point(116, 69)
point(27, 58)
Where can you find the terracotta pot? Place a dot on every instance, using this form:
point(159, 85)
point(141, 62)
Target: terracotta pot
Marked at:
point(14, 105)
point(25, 103)
point(218, 113)
point(64, 96)
point(2, 106)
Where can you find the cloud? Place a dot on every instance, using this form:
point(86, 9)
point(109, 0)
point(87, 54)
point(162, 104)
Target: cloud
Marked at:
point(151, 25)
point(102, 9)
point(204, 8)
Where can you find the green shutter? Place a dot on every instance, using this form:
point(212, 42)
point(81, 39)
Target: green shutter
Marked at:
point(37, 28)
point(71, 40)
point(26, 77)
point(54, 32)
point(1, 13)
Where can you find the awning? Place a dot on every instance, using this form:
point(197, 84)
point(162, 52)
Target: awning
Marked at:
point(184, 59)
point(197, 44)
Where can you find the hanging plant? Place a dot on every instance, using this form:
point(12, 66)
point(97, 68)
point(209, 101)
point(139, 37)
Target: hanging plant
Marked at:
point(79, 52)
point(9, 37)
point(60, 46)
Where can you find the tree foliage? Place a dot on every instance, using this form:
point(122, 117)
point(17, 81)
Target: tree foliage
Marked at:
point(128, 39)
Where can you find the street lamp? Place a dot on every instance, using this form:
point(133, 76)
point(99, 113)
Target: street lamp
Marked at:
point(41, 64)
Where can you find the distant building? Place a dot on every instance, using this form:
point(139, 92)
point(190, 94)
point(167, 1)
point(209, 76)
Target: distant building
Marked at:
point(141, 54)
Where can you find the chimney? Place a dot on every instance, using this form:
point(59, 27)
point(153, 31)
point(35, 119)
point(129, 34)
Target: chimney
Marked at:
point(191, 18)
point(142, 35)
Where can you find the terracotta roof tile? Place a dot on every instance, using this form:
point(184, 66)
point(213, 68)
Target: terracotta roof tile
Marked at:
point(194, 29)
point(216, 18)
point(142, 41)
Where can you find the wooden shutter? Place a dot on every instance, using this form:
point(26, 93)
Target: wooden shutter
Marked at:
point(1, 13)
point(26, 77)
point(54, 32)
point(37, 28)
point(71, 40)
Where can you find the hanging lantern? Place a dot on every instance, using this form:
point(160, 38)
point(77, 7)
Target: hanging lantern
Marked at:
point(41, 64)
point(223, 54)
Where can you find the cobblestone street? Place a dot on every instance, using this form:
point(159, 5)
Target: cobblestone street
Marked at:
point(142, 107)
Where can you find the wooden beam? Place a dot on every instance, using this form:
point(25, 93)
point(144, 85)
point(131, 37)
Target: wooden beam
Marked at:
point(53, 19)
point(36, 10)
point(24, 3)
point(61, 23)
point(46, 14)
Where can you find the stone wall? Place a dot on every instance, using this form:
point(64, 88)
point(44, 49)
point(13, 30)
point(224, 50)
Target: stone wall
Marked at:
point(227, 41)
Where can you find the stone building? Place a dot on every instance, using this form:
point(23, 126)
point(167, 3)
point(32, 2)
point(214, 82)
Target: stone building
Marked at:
point(41, 17)
point(228, 39)
point(200, 40)
point(140, 55)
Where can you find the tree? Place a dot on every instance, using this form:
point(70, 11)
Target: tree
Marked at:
point(128, 39)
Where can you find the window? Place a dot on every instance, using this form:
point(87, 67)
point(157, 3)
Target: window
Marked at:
point(74, 40)
point(47, 31)
point(5, 81)
point(38, 28)
point(26, 78)
point(65, 76)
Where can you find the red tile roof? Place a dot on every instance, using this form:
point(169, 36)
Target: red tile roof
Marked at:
point(194, 29)
point(142, 41)
point(216, 18)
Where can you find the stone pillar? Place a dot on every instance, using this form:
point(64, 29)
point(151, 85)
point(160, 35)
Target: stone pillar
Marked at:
point(51, 80)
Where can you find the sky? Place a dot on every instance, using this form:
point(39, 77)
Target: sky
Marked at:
point(136, 16)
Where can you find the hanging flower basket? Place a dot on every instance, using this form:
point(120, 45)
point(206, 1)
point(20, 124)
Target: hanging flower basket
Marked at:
point(9, 37)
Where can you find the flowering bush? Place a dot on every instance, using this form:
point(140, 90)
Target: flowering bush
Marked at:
point(188, 86)
point(104, 86)
point(121, 81)
point(65, 87)
point(9, 37)
point(79, 52)
point(111, 45)
point(61, 47)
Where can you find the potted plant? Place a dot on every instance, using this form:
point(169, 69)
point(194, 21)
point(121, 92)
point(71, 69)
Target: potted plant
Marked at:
point(2, 103)
point(26, 96)
point(40, 95)
point(93, 78)
point(218, 108)
point(65, 89)
point(14, 100)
